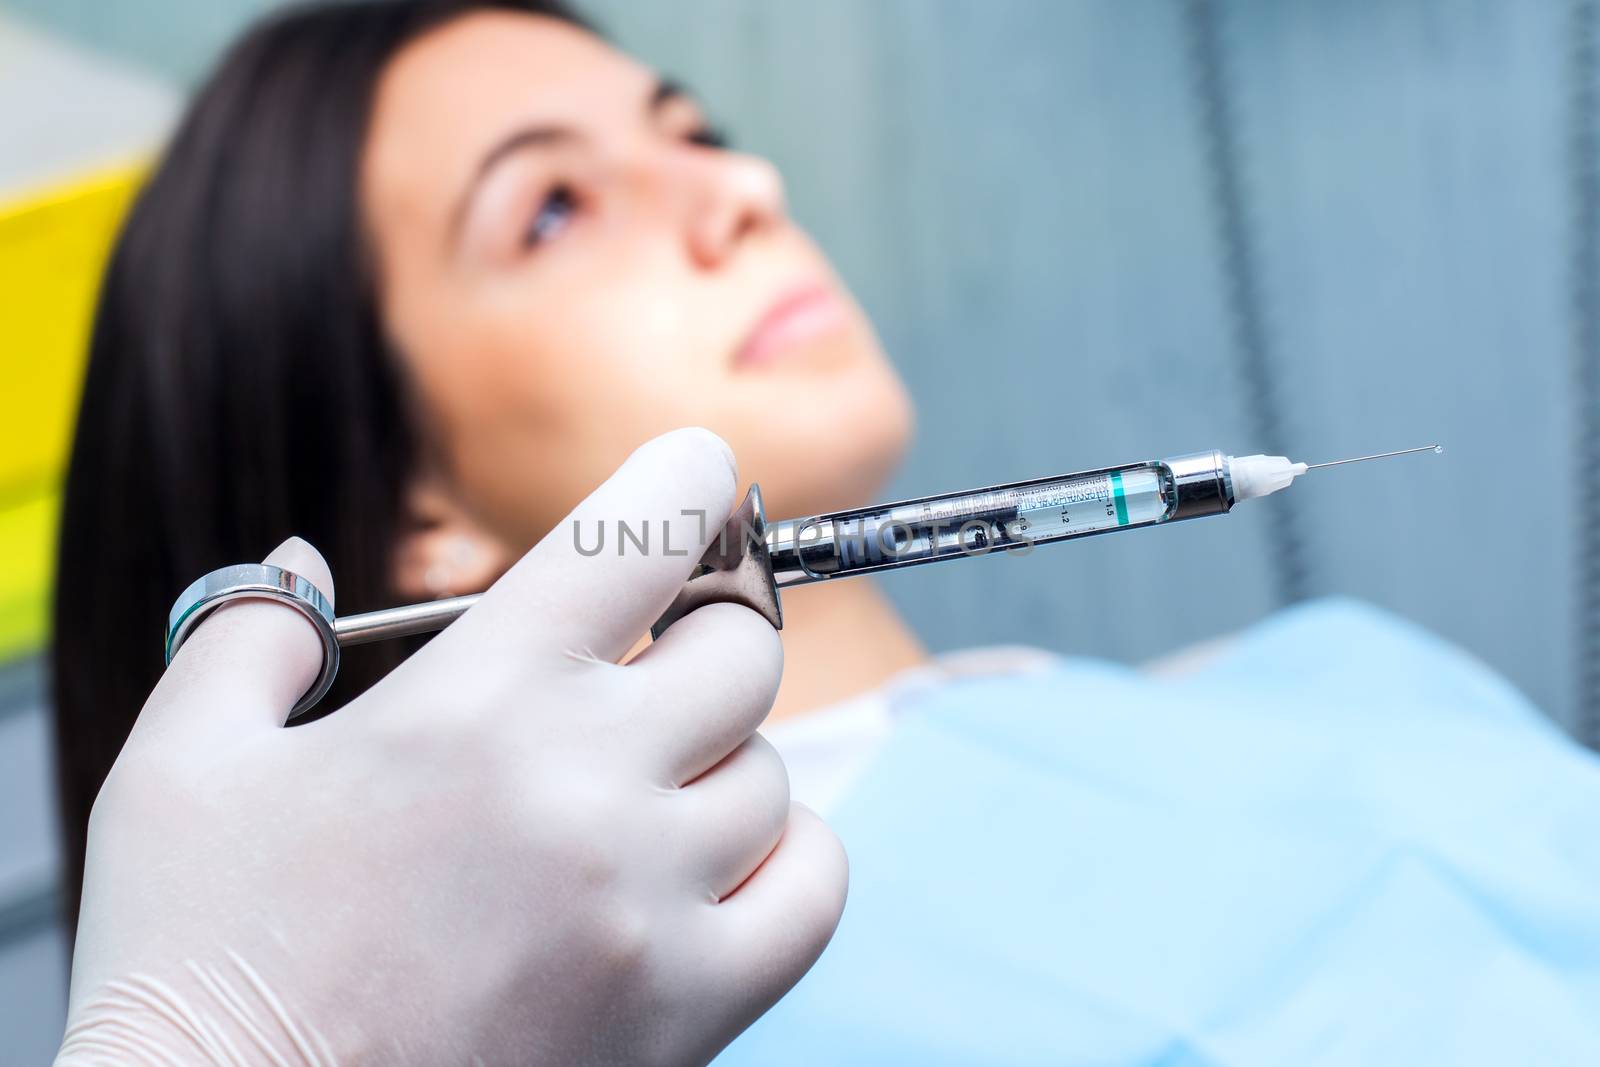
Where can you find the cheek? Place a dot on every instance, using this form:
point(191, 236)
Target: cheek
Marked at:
point(540, 396)
point(632, 359)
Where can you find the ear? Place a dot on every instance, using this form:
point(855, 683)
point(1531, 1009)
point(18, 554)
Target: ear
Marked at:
point(443, 551)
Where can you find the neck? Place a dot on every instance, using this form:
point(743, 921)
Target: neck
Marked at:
point(839, 639)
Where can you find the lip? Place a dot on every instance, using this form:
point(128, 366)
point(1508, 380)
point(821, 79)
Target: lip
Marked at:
point(803, 313)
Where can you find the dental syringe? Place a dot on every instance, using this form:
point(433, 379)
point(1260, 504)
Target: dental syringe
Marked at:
point(749, 562)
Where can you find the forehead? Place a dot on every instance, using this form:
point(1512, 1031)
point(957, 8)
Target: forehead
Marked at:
point(448, 96)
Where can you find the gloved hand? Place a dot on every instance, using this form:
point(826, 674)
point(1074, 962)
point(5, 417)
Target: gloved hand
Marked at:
point(510, 851)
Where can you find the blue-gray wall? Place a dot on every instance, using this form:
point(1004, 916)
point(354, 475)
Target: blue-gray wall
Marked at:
point(1093, 231)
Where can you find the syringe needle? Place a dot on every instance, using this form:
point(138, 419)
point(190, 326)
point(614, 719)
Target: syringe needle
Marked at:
point(1380, 455)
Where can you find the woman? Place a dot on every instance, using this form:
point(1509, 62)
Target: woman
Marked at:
point(414, 276)
point(505, 254)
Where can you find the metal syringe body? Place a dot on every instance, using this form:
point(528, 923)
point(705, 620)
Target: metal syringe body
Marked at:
point(1016, 515)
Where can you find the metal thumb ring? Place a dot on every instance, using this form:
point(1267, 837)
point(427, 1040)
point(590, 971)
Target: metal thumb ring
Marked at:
point(259, 581)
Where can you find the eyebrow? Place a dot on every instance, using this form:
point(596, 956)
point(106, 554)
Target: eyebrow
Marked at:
point(664, 91)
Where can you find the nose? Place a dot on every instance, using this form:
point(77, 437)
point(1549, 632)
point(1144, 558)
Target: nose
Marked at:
point(734, 197)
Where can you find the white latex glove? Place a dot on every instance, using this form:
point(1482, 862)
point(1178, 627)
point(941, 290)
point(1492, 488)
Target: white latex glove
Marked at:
point(511, 851)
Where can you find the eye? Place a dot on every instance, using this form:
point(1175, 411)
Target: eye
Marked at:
point(553, 216)
point(708, 137)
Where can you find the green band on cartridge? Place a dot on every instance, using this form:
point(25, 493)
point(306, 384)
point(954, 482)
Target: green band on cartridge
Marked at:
point(1118, 498)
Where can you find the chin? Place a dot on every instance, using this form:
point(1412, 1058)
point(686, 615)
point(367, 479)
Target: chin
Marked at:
point(842, 459)
point(885, 436)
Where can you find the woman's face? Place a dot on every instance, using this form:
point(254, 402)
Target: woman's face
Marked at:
point(570, 266)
